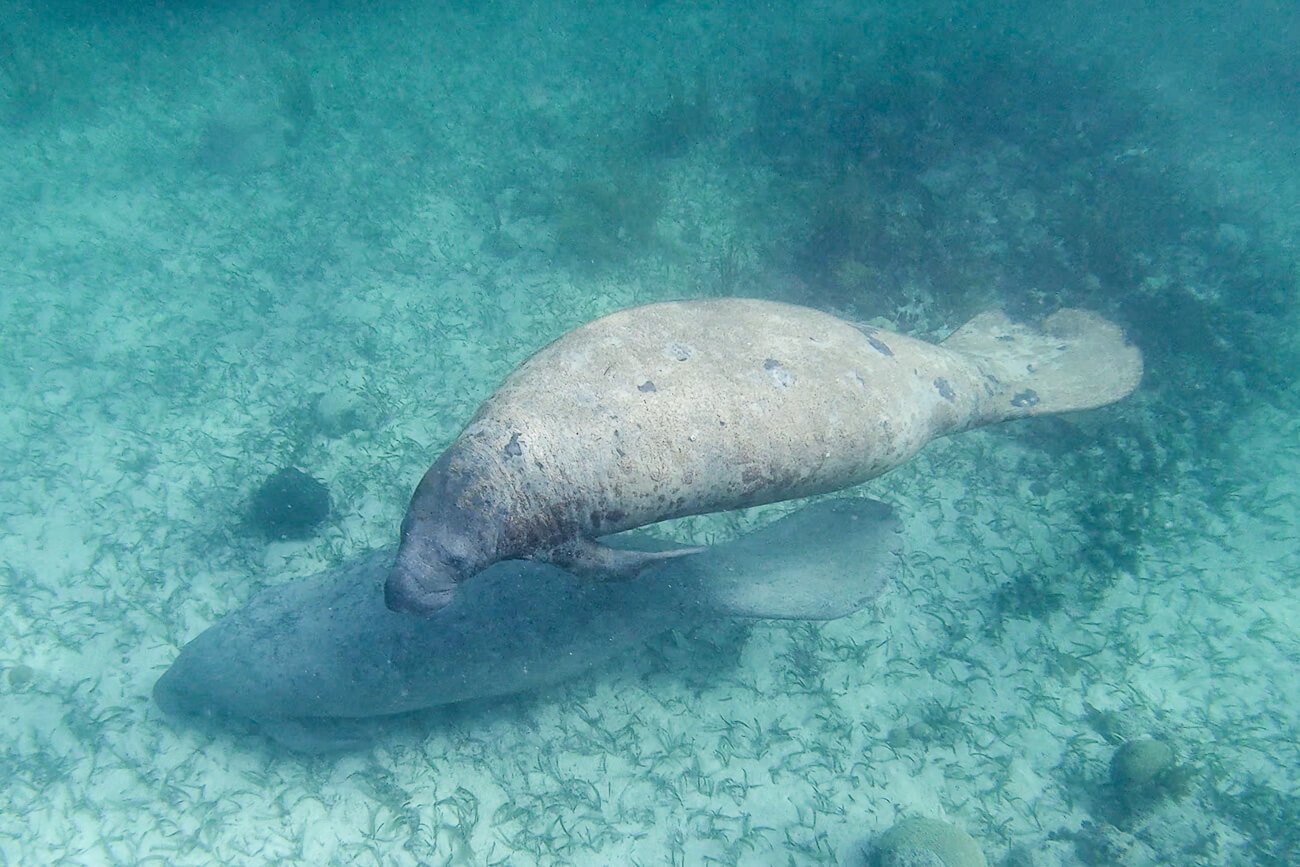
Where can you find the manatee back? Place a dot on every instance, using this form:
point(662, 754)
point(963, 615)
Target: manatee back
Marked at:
point(687, 407)
point(326, 646)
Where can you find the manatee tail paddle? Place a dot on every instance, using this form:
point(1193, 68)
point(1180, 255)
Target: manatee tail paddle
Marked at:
point(1074, 360)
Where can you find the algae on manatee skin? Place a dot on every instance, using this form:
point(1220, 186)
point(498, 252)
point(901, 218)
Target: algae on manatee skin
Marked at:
point(922, 842)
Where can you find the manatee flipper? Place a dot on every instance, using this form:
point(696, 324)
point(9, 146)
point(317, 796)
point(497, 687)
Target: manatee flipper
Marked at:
point(590, 559)
point(824, 561)
point(1073, 360)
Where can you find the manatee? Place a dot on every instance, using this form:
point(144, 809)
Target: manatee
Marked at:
point(320, 663)
point(689, 407)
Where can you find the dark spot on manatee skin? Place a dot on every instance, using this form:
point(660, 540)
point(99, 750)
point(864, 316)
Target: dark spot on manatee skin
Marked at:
point(880, 346)
point(646, 387)
point(944, 389)
point(513, 448)
point(1028, 397)
point(876, 343)
point(781, 377)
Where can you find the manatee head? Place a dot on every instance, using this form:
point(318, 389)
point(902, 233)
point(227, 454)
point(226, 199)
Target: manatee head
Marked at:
point(211, 681)
point(175, 696)
point(440, 547)
point(422, 581)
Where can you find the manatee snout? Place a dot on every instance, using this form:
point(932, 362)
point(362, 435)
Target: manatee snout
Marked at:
point(418, 587)
point(172, 696)
point(212, 676)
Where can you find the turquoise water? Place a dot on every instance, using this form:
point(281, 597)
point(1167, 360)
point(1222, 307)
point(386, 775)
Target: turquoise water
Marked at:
point(238, 239)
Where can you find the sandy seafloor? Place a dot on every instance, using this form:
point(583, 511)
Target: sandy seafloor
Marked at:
point(206, 275)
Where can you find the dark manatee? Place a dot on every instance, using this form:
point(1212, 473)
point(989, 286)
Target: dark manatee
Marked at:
point(689, 407)
point(314, 662)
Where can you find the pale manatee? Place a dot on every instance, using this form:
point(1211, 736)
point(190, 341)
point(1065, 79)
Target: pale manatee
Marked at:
point(318, 663)
point(688, 407)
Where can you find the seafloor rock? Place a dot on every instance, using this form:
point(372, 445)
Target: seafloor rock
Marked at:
point(921, 842)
